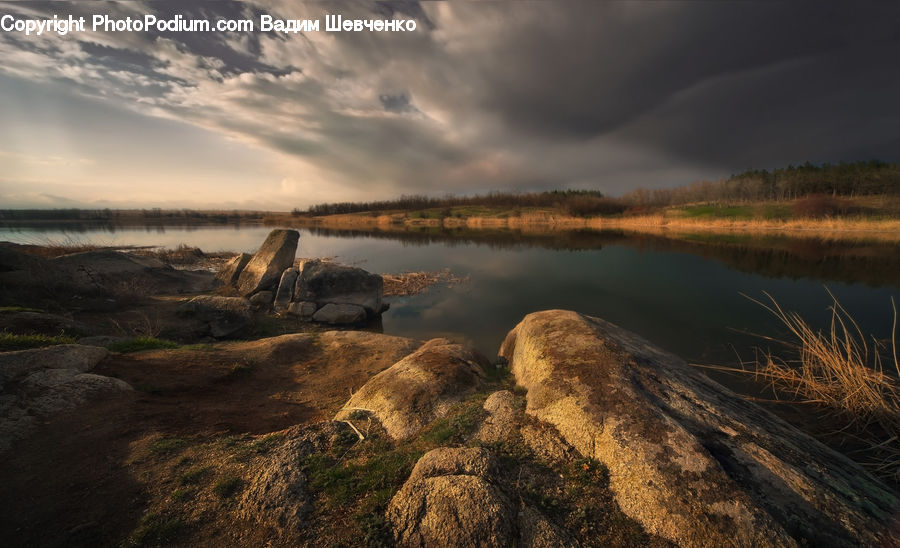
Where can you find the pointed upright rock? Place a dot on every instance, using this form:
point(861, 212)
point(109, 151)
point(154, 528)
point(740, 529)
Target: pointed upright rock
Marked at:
point(264, 270)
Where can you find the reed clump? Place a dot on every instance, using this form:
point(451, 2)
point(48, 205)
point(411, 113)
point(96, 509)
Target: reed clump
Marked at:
point(843, 371)
point(837, 367)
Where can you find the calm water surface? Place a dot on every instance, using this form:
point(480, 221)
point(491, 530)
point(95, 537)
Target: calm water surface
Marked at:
point(684, 296)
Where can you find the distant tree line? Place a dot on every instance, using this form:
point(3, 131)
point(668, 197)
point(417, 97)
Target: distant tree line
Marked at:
point(75, 214)
point(570, 200)
point(844, 179)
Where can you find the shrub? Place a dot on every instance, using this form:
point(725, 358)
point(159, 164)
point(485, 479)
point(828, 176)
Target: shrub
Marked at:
point(586, 205)
point(817, 206)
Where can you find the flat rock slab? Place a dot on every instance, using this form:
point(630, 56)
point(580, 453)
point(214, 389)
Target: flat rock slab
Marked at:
point(339, 314)
point(688, 459)
point(40, 383)
point(18, 364)
point(27, 322)
point(419, 388)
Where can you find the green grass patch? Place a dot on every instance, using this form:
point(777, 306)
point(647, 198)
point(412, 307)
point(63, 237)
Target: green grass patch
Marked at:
point(10, 341)
point(155, 529)
point(166, 446)
point(241, 369)
point(264, 444)
point(227, 487)
point(18, 309)
point(192, 476)
point(182, 494)
point(141, 343)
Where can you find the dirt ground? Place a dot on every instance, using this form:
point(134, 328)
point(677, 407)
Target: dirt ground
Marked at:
point(84, 479)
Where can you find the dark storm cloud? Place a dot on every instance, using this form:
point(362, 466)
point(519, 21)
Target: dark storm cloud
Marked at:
point(766, 68)
point(498, 95)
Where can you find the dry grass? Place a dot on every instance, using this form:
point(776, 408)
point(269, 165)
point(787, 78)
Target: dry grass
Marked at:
point(834, 228)
point(413, 283)
point(836, 367)
point(49, 248)
point(184, 256)
point(840, 370)
point(839, 228)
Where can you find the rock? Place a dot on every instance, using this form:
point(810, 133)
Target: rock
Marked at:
point(88, 265)
point(15, 365)
point(453, 498)
point(222, 316)
point(502, 420)
point(340, 314)
point(261, 300)
point(276, 497)
point(102, 340)
point(545, 444)
point(304, 310)
point(419, 388)
point(286, 289)
point(27, 323)
point(58, 390)
point(265, 268)
point(325, 282)
point(447, 501)
point(688, 459)
point(49, 381)
point(233, 268)
point(536, 531)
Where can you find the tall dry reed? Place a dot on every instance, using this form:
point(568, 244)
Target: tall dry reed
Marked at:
point(842, 370)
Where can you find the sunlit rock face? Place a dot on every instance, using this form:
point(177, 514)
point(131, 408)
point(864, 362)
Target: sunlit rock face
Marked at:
point(274, 256)
point(688, 459)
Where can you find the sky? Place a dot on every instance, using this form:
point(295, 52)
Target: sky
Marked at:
point(482, 96)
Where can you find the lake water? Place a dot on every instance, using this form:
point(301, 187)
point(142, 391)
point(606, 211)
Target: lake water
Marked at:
point(684, 296)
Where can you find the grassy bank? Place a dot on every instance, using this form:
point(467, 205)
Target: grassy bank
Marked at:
point(868, 217)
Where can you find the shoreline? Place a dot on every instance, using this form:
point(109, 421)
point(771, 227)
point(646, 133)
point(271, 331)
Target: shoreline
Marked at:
point(883, 230)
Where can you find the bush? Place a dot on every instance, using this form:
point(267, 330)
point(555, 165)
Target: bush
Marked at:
point(587, 205)
point(817, 206)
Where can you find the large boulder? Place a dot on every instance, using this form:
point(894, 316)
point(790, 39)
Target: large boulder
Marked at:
point(38, 384)
point(688, 459)
point(264, 270)
point(221, 316)
point(79, 358)
point(26, 322)
point(325, 282)
point(233, 268)
point(419, 388)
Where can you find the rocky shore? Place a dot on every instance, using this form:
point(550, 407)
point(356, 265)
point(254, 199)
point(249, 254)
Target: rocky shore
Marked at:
point(578, 433)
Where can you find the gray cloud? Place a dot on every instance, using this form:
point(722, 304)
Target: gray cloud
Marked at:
point(507, 95)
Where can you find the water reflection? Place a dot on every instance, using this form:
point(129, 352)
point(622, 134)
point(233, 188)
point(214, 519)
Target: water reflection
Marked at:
point(683, 294)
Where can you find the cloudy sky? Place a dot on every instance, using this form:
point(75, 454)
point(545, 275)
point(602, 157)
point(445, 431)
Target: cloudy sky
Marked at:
point(482, 96)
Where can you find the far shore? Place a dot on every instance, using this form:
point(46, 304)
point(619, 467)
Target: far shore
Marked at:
point(831, 228)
